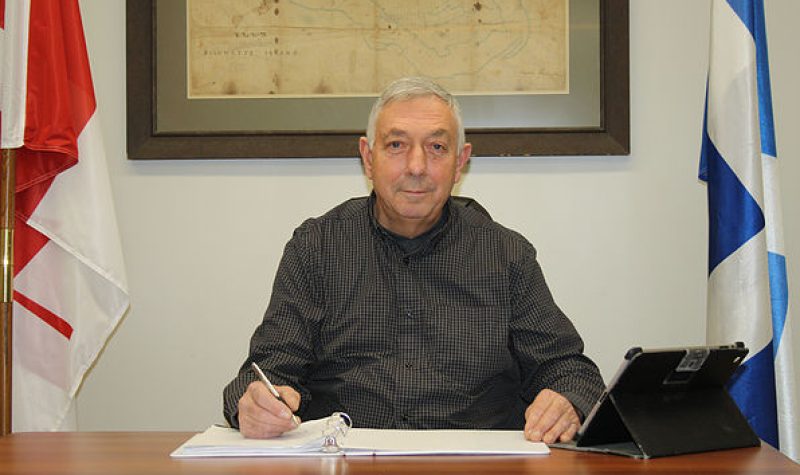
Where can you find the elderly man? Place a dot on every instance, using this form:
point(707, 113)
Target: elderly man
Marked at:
point(407, 309)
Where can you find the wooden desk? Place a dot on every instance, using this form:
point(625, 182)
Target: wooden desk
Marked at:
point(147, 453)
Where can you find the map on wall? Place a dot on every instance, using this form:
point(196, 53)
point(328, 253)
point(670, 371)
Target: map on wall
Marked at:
point(302, 48)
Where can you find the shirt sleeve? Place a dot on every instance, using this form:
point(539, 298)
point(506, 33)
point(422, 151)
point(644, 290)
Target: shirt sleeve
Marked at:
point(283, 344)
point(546, 343)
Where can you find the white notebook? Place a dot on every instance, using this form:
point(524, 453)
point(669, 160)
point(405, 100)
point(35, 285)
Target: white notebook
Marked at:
point(308, 440)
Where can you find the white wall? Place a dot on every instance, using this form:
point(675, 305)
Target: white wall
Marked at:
point(622, 239)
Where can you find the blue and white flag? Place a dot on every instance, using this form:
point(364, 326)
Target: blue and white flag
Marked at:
point(747, 285)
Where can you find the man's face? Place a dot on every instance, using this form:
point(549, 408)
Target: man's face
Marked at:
point(414, 163)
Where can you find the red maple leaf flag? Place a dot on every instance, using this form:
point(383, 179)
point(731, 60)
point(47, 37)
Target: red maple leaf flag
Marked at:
point(70, 289)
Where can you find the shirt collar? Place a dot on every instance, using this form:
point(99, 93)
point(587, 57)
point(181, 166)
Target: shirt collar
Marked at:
point(421, 244)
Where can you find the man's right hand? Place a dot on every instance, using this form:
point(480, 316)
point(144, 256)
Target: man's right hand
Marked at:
point(262, 415)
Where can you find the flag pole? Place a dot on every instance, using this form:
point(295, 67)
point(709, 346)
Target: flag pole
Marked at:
point(7, 180)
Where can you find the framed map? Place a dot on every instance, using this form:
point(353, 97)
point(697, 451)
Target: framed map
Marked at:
point(250, 48)
point(296, 78)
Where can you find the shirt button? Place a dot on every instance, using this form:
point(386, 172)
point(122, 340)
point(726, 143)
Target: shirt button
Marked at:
point(409, 365)
point(410, 314)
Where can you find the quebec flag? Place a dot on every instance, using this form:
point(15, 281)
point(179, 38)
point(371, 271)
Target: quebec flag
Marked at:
point(747, 284)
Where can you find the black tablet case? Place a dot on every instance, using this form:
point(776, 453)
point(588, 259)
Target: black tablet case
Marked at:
point(668, 402)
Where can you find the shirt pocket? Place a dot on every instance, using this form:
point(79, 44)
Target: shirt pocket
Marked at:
point(470, 346)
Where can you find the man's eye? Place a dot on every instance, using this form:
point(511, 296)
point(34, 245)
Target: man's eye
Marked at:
point(438, 148)
point(395, 146)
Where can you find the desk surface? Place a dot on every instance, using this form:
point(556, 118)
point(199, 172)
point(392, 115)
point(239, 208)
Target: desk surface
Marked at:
point(110, 453)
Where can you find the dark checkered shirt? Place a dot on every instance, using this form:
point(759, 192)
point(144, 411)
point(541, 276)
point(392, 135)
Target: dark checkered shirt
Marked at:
point(460, 333)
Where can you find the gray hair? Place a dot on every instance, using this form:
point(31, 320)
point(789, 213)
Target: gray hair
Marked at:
point(408, 88)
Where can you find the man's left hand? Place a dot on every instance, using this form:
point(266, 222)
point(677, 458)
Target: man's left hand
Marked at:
point(551, 417)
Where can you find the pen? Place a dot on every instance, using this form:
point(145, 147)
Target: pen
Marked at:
point(263, 378)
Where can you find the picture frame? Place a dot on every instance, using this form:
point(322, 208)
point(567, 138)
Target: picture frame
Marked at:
point(145, 141)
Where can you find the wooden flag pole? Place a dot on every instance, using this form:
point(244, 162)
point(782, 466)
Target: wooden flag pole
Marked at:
point(7, 180)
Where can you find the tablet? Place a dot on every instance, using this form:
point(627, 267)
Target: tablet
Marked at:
point(669, 401)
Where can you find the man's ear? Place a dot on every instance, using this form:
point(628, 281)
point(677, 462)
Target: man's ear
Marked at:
point(366, 156)
point(462, 160)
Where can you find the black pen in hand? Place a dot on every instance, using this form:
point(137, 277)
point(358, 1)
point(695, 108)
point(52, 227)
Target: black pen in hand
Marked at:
point(263, 378)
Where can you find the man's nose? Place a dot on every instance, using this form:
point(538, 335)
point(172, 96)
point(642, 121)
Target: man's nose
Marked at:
point(417, 160)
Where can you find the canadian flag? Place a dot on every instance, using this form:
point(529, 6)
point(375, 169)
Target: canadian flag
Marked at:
point(70, 289)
